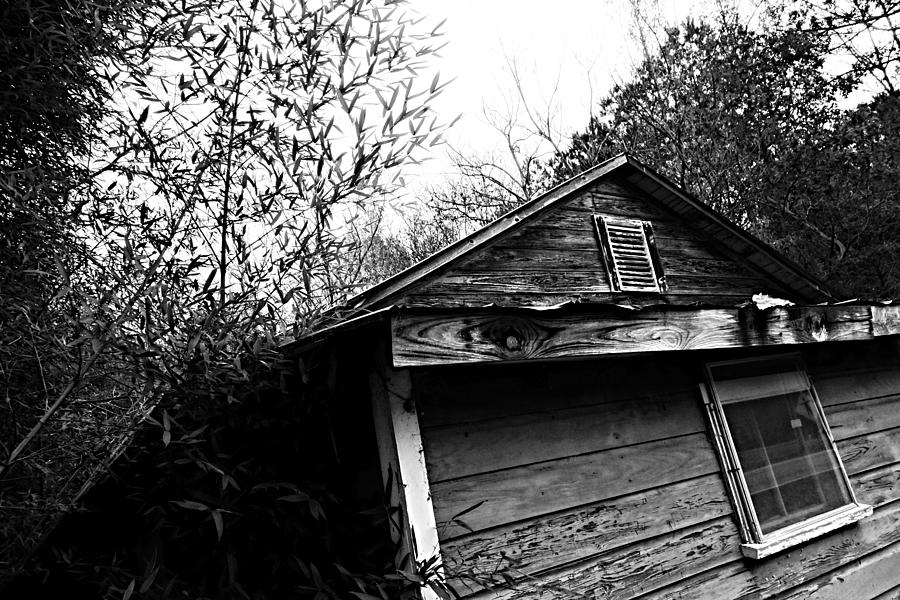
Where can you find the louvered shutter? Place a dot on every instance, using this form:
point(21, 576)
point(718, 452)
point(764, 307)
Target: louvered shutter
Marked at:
point(629, 252)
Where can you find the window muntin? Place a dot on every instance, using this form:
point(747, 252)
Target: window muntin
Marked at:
point(782, 467)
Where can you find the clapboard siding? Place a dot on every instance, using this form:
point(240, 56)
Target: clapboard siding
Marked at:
point(892, 594)
point(863, 416)
point(542, 543)
point(472, 393)
point(871, 450)
point(598, 478)
point(743, 580)
point(555, 258)
point(874, 576)
point(877, 486)
point(494, 444)
point(531, 490)
point(630, 571)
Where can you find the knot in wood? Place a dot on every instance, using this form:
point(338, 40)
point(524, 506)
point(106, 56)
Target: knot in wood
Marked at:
point(513, 343)
point(816, 327)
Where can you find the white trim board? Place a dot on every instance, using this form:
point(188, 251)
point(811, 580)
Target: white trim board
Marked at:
point(402, 460)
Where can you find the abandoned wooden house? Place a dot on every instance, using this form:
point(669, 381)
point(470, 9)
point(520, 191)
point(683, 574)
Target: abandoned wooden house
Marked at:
point(582, 400)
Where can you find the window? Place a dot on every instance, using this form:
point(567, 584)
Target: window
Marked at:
point(781, 466)
point(629, 254)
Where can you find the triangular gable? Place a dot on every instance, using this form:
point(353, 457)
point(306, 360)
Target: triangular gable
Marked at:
point(545, 252)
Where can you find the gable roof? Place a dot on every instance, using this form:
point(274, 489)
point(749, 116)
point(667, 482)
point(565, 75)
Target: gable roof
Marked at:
point(733, 238)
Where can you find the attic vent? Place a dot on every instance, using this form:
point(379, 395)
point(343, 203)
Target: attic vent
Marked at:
point(629, 252)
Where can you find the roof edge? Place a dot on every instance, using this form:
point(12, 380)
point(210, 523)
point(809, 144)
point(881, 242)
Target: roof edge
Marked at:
point(476, 239)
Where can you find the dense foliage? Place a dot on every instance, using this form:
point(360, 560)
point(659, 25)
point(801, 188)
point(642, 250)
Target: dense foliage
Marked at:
point(51, 95)
point(251, 493)
point(201, 167)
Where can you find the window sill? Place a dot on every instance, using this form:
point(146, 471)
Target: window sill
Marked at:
point(807, 530)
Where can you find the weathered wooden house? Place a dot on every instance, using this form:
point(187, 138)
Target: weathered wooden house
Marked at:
point(581, 400)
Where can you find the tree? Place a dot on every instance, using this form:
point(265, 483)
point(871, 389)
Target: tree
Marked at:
point(863, 31)
point(747, 121)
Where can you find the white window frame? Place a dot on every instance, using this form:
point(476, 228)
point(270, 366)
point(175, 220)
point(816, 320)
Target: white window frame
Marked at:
point(756, 544)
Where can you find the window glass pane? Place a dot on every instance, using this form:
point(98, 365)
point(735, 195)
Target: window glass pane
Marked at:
point(788, 462)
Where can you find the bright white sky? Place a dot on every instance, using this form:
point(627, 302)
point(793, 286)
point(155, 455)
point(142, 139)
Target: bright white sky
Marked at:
point(585, 45)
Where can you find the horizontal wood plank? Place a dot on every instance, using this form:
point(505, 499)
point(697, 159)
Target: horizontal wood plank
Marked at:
point(837, 360)
point(550, 541)
point(877, 486)
point(445, 395)
point(892, 594)
point(870, 451)
point(864, 416)
point(472, 448)
point(575, 238)
point(874, 576)
point(538, 300)
point(633, 570)
point(502, 497)
point(859, 385)
point(421, 339)
point(506, 258)
point(523, 282)
point(745, 580)
point(683, 259)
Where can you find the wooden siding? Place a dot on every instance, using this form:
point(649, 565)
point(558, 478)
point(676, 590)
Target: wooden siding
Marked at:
point(597, 478)
point(556, 259)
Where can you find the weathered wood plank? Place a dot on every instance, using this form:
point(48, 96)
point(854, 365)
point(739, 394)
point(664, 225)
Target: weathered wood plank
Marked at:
point(505, 258)
point(575, 230)
point(539, 300)
point(521, 282)
point(520, 493)
point(853, 387)
point(877, 486)
point(552, 237)
point(684, 260)
point(873, 576)
point(837, 360)
point(870, 451)
point(885, 319)
point(421, 339)
point(445, 396)
point(865, 416)
point(616, 185)
point(550, 541)
point(763, 579)
point(681, 261)
point(697, 284)
point(579, 219)
point(892, 594)
point(633, 570)
point(472, 448)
